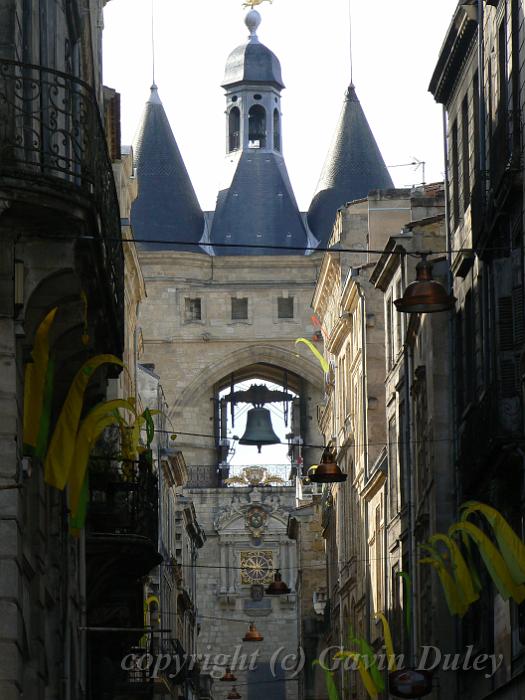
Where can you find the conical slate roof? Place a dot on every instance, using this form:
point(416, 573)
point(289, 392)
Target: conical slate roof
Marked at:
point(354, 166)
point(258, 208)
point(167, 208)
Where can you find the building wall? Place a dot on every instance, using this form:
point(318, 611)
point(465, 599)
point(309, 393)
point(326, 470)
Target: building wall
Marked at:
point(194, 357)
point(305, 527)
point(225, 605)
point(362, 533)
point(486, 215)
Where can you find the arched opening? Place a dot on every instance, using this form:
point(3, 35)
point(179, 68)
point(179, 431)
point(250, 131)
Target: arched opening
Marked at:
point(276, 131)
point(234, 129)
point(283, 408)
point(257, 127)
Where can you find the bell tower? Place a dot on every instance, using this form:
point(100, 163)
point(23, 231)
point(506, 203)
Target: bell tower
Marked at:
point(253, 87)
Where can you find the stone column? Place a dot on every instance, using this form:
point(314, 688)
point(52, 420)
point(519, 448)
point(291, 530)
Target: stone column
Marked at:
point(223, 574)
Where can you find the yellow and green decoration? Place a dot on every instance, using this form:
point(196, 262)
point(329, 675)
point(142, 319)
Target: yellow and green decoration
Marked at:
point(65, 455)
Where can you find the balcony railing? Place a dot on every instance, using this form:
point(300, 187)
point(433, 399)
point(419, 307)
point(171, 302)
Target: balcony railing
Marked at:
point(138, 681)
point(52, 134)
point(202, 476)
point(124, 502)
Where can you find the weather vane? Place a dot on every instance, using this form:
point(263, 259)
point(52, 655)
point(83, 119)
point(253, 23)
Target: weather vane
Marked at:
point(253, 3)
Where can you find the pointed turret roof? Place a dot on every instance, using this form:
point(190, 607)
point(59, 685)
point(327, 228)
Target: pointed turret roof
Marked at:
point(258, 207)
point(354, 166)
point(167, 208)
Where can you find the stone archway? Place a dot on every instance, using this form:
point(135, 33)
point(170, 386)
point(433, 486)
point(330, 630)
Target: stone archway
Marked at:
point(254, 354)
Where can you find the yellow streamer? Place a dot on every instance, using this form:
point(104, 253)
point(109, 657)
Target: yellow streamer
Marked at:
point(322, 361)
point(90, 429)
point(389, 645)
point(510, 545)
point(461, 572)
point(455, 602)
point(363, 672)
point(494, 562)
point(60, 455)
point(34, 382)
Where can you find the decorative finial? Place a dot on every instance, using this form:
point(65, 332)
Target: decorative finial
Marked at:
point(154, 95)
point(253, 3)
point(252, 21)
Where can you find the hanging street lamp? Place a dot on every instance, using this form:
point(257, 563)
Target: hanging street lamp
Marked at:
point(228, 676)
point(253, 634)
point(277, 586)
point(425, 295)
point(328, 471)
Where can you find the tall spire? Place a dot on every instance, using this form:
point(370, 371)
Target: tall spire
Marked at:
point(256, 205)
point(167, 208)
point(353, 167)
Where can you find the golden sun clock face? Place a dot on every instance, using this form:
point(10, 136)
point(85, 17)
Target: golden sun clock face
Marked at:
point(257, 567)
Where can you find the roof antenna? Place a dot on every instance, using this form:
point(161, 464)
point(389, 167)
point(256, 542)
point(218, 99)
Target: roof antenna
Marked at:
point(153, 42)
point(350, 43)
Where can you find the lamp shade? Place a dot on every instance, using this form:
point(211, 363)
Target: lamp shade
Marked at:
point(228, 676)
point(277, 586)
point(328, 471)
point(253, 634)
point(233, 694)
point(425, 295)
point(410, 683)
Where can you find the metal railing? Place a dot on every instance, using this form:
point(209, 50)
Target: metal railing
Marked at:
point(211, 475)
point(51, 133)
point(124, 501)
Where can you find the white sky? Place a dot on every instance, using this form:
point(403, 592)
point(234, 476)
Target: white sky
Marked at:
point(395, 47)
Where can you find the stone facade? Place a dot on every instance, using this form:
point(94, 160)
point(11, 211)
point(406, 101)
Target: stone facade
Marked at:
point(51, 195)
point(305, 527)
point(420, 489)
point(483, 101)
point(353, 414)
point(245, 527)
point(197, 356)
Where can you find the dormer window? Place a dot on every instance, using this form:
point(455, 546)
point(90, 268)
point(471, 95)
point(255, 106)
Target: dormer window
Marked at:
point(257, 127)
point(234, 129)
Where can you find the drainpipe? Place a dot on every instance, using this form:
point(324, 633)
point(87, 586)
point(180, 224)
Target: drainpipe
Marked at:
point(481, 91)
point(67, 624)
point(452, 361)
point(364, 408)
point(408, 361)
point(160, 536)
point(410, 490)
point(83, 616)
point(452, 326)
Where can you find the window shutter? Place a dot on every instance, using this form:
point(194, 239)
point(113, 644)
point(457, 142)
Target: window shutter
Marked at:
point(506, 325)
point(518, 314)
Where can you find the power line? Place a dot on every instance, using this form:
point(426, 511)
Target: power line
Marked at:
point(258, 246)
point(312, 446)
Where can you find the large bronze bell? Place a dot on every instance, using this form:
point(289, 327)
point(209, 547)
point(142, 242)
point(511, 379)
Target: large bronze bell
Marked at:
point(259, 430)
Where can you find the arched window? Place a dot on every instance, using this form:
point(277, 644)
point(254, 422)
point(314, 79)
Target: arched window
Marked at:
point(234, 129)
point(276, 131)
point(257, 127)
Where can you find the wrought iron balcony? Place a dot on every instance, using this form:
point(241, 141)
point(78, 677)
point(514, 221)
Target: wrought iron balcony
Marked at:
point(124, 502)
point(52, 143)
point(138, 682)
